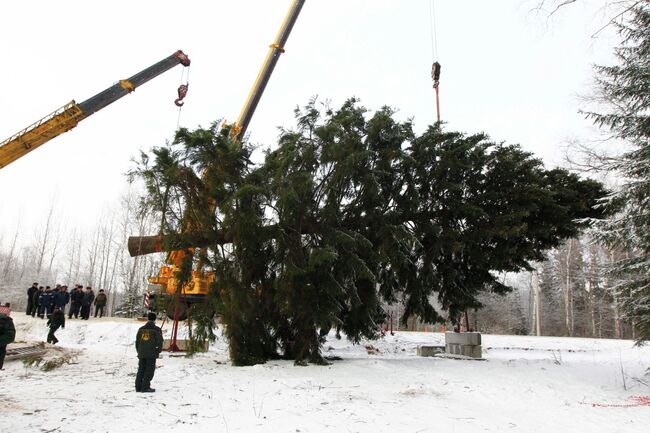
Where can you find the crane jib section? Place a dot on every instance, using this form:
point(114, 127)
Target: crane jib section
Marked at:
point(275, 51)
point(124, 87)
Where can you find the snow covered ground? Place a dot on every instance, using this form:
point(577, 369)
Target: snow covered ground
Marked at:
point(526, 384)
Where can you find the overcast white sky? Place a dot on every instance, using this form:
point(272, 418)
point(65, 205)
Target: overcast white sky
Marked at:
point(506, 71)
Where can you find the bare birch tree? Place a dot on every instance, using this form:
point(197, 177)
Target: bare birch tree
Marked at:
point(9, 259)
point(43, 238)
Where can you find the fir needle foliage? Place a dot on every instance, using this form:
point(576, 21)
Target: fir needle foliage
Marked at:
point(625, 90)
point(352, 209)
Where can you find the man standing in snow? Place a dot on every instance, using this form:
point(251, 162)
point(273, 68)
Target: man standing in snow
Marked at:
point(61, 298)
point(76, 299)
point(87, 303)
point(45, 303)
point(7, 332)
point(100, 303)
point(148, 343)
point(30, 298)
point(56, 320)
point(36, 301)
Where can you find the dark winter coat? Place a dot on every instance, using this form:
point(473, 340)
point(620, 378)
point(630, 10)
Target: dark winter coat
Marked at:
point(37, 297)
point(46, 299)
point(31, 292)
point(100, 300)
point(149, 341)
point(57, 319)
point(77, 297)
point(88, 299)
point(61, 299)
point(7, 330)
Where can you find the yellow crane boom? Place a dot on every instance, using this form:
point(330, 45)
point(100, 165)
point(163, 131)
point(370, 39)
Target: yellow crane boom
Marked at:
point(68, 116)
point(40, 132)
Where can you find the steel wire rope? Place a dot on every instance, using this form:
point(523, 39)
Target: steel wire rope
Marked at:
point(433, 30)
point(435, 69)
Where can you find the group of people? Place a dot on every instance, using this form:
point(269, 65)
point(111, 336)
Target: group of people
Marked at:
point(43, 301)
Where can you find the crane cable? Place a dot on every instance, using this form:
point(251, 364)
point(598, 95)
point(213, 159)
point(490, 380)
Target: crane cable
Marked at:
point(432, 28)
point(435, 68)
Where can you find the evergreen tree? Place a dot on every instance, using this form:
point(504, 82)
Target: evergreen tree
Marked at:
point(626, 89)
point(352, 210)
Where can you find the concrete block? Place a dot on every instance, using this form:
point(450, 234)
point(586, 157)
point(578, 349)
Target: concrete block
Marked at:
point(465, 344)
point(471, 338)
point(473, 351)
point(430, 350)
point(476, 352)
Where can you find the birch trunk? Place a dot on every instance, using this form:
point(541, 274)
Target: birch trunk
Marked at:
point(10, 257)
point(42, 242)
point(537, 298)
point(567, 292)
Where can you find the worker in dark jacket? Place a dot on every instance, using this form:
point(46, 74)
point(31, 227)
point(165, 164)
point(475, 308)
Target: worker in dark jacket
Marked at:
point(7, 334)
point(36, 301)
point(148, 343)
point(30, 298)
point(87, 302)
point(76, 299)
point(61, 298)
point(49, 301)
point(100, 303)
point(45, 303)
point(56, 321)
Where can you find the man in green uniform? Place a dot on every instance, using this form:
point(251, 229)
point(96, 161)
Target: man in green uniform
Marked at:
point(148, 343)
point(100, 303)
point(7, 332)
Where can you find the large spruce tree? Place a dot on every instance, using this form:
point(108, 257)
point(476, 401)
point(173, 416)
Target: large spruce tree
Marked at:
point(352, 209)
point(625, 90)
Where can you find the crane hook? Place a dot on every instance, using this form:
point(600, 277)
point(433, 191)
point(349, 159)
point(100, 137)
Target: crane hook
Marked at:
point(435, 74)
point(182, 92)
